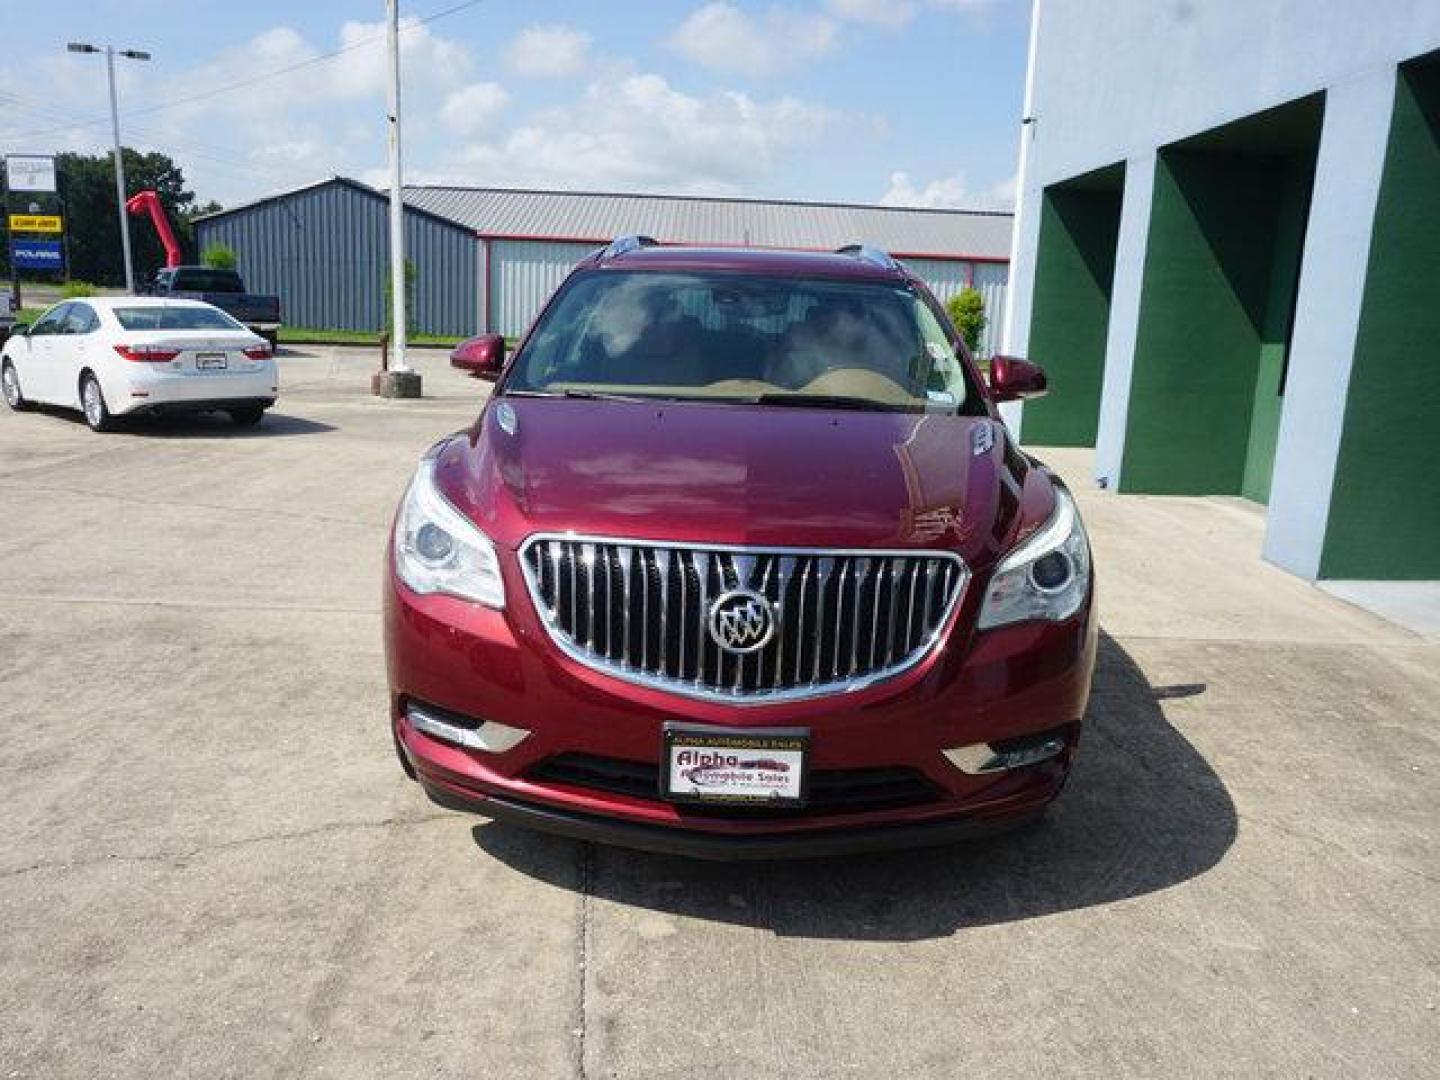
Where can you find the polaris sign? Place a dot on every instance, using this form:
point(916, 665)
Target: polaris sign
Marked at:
point(36, 255)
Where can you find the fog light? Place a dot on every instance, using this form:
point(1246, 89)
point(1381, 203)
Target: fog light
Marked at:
point(980, 758)
point(489, 736)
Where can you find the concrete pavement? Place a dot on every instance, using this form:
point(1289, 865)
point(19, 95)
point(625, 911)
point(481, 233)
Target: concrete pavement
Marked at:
point(211, 866)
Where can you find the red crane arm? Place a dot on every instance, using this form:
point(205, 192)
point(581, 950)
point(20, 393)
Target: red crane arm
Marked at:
point(147, 202)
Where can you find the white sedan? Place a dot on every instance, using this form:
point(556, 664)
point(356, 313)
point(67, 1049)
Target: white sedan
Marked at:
point(121, 355)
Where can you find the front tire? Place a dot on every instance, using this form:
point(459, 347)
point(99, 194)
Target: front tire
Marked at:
point(10, 383)
point(92, 404)
point(248, 416)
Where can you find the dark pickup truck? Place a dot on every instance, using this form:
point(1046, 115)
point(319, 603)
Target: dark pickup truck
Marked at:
point(224, 289)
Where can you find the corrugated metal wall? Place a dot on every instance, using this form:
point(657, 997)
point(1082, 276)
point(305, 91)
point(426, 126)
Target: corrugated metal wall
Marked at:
point(523, 274)
point(946, 278)
point(325, 252)
point(993, 281)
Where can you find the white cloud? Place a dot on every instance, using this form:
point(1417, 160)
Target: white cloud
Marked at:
point(875, 12)
point(948, 192)
point(965, 5)
point(637, 132)
point(473, 108)
point(726, 38)
point(548, 51)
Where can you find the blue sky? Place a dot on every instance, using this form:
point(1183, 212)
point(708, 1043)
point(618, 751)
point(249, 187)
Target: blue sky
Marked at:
point(905, 101)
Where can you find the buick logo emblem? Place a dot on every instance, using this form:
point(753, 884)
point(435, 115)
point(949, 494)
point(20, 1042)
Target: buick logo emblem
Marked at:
point(741, 621)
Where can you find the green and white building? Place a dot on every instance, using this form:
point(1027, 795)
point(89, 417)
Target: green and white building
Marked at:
point(1227, 256)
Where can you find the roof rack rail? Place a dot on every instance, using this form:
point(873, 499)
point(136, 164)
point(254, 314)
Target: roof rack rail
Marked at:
point(869, 253)
point(623, 245)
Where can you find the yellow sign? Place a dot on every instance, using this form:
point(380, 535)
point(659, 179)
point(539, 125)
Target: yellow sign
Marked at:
point(42, 223)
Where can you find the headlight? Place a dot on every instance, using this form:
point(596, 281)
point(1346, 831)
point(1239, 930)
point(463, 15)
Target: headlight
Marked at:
point(438, 550)
point(1046, 577)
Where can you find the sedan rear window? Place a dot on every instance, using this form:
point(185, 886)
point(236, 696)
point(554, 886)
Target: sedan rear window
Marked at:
point(156, 317)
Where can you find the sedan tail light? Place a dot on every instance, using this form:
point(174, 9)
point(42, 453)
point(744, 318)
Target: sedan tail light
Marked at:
point(149, 354)
point(258, 352)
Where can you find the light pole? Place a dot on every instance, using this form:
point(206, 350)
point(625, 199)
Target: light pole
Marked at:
point(130, 54)
point(399, 381)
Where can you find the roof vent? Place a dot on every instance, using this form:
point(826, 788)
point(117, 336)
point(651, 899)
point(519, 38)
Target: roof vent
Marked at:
point(623, 245)
point(872, 255)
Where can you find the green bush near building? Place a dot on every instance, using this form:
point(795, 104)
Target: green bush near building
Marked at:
point(967, 312)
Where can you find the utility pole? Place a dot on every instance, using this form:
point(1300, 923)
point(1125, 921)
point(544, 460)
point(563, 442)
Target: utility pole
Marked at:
point(399, 381)
point(129, 54)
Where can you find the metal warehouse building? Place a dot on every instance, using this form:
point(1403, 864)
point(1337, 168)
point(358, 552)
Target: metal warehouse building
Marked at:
point(1228, 258)
point(485, 259)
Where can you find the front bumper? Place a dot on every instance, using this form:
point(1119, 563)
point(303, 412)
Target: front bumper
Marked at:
point(665, 840)
point(487, 665)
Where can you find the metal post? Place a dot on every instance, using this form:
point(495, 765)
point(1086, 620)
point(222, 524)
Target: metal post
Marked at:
point(397, 206)
point(10, 239)
point(119, 172)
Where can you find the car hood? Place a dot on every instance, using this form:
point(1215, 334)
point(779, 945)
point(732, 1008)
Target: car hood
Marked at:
point(739, 474)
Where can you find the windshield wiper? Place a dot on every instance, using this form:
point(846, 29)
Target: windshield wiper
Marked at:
point(829, 401)
point(580, 395)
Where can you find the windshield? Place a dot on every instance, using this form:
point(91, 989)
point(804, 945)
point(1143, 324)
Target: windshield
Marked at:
point(156, 317)
point(739, 337)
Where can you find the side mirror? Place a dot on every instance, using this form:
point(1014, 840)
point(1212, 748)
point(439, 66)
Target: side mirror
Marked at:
point(483, 357)
point(19, 329)
point(1014, 379)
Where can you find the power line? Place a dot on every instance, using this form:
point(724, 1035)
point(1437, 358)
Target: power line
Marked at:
point(175, 103)
point(224, 155)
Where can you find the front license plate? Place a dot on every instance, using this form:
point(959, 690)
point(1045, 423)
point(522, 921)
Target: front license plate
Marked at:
point(210, 361)
point(724, 765)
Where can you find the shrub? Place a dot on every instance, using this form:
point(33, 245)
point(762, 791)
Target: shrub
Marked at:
point(73, 289)
point(967, 312)
point(219, 256)
point(412, 275)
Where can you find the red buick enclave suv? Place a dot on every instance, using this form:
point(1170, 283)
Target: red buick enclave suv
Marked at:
point(739, 561)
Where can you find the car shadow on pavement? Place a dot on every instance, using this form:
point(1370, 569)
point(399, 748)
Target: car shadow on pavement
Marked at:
point(1143, 811)
point(190, 425)
point(212, 425)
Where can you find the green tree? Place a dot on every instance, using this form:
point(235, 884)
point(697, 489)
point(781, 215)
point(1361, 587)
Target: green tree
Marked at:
point(412, 276)
point(92, 227)
point(967, 312)
point(220, 256)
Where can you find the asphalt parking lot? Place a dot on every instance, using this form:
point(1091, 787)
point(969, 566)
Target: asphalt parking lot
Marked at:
point(210, 864)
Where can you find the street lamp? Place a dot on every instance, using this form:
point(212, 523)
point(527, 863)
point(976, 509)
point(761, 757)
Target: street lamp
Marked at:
point(130, 54)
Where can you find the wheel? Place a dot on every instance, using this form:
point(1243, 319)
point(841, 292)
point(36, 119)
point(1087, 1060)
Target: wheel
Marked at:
point(249, 416)
point(273, 337)
point(92, 401)
point(10, 383)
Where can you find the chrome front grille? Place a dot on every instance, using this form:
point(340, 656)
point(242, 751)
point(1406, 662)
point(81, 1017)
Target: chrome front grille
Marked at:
point(641, 611)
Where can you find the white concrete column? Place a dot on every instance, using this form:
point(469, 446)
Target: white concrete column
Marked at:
point(1130, 246)
point(1025, 236)
point(1019, 294)
point(1327, 314)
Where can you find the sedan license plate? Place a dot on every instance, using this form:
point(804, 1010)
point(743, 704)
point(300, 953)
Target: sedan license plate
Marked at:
point(211, 361)
point(709, 764)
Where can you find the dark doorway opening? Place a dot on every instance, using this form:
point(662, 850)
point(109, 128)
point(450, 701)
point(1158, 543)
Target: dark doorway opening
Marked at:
point(1222, 266)
point(1070, 306)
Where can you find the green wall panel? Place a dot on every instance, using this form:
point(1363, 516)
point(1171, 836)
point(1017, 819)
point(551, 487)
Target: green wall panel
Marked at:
point(1070, 310)
point(1203, 300)
point(1295, 182)
point(1384, 519)
point(1221, 265)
